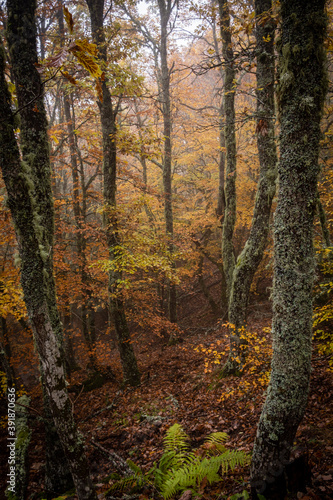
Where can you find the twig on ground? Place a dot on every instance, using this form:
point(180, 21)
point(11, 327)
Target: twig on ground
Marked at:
point(119, 464)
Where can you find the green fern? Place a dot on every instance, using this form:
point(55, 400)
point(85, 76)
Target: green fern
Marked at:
point(180, 468)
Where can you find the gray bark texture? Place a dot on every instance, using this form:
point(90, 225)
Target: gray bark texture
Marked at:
point(301, 94)
point(228, 254)
point(251, 256)
point(23, 437)
point(108, 121)
point(28, 187)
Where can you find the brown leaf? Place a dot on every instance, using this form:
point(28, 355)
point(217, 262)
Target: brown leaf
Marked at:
point(187, 495)
point(58, 60)
point(69, 19)
point(69, 77)
point(99, 90)
point(262, 127)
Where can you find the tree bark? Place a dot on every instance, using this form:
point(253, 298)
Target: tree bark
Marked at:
point(228, 254)
point(301, 94)
point(108, 121)
point(5, 352)
point(165, 9)
point(252, 254)
point(28, 186)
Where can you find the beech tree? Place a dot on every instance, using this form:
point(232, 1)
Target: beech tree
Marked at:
point(251, 256)
point(30, 201)
point(108, 114)
point(158, 44)
point(228, 252)
point(301, 93)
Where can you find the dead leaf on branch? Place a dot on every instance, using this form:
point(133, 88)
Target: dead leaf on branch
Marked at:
point(69, 77)
point(69, 19)
point(58, 60)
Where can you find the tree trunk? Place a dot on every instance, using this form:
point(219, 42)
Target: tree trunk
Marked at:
point(6, 354)
point(28, 186)
point(228, 254)
point(252, 254)
point(79, 213)
point(301, 93)
point(108, 121)
point(165, 8)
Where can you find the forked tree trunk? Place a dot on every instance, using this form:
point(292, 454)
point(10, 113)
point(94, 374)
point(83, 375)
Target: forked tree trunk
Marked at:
point(301, 94)
point(108, 121)
point(28, 186)
point(252, 254)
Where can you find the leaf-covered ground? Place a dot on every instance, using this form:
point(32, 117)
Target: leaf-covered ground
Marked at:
point(178, 387)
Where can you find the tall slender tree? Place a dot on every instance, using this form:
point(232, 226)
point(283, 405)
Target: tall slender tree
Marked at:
point(108, 114)
point(29, 192)
point(165, 9)
point(159, 45)
point(252, 254)
point(228, 253)
point(301, 94)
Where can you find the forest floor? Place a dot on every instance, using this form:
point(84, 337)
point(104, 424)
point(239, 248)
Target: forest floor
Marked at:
point(175, 388)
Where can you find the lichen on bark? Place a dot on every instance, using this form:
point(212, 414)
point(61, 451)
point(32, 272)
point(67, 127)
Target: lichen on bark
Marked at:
point(301, 93)
point(28, 191)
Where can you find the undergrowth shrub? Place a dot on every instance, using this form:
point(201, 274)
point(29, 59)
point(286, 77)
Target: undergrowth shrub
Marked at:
point(256, 371)
point(181, 468)
point(323, 312)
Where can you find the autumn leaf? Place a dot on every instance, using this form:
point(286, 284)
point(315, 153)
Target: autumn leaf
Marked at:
point(99, 90)
point(86, 46)
point(86, 60)
point(58, 60)
point(69, 77)
point(69, 19)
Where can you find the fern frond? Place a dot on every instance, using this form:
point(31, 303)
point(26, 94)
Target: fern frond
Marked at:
point(180, 469)
point(127, 483)
point(231, 459)
point(193, 473)
point(190, 476)
point(217, 438)
point(176, 439)
point(135, 468)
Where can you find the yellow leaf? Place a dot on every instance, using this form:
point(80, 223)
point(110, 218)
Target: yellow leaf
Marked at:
point(86, 46)
point(87, 61)
point(69, 77)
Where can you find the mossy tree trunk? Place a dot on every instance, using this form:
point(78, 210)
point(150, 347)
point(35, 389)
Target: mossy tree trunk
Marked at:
point(28, 187)
point(5, 352)
point(252, 254)
point(228, 254)
point(23, 437)
point(108, 113)
point(301, 93)
point(35, 153)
